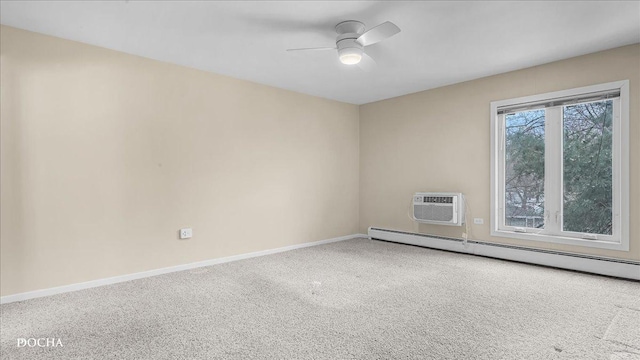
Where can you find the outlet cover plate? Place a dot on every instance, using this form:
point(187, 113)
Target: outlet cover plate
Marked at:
point(186, 233)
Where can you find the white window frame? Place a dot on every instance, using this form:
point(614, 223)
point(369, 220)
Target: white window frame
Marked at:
point(619, 240)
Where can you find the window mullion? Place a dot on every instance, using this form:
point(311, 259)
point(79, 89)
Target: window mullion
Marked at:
point(553, 170)
point(501, 170)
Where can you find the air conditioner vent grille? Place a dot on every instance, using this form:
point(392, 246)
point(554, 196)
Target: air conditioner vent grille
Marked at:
point(438, 199)
point(433, 212)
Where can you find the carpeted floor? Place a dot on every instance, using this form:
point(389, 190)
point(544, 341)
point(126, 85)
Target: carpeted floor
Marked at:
point(357, 299)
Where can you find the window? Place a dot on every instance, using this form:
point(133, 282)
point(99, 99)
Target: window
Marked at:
point(560, 168)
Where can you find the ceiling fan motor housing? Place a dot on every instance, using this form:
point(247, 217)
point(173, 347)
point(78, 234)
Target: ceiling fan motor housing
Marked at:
point(349, 51)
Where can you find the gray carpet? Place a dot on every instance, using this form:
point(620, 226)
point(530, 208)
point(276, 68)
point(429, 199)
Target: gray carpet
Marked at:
point(357, 299)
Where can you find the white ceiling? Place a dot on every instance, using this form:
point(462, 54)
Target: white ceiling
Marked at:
point(441, 43)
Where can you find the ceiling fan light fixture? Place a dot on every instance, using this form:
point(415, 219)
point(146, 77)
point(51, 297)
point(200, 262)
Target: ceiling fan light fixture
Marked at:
point(352, 38)
point(350, 56)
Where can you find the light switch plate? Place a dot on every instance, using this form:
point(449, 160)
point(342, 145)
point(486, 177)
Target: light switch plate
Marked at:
point(478, 221)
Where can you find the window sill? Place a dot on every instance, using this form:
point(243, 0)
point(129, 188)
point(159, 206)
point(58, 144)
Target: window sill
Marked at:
point(600, 244)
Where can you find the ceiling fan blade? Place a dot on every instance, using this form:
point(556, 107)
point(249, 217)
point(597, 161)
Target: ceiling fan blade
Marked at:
point(317, 48)
point(367, 63)
point(378, 33)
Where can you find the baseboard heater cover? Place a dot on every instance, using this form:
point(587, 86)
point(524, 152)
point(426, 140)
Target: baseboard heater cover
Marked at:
point(628, 269)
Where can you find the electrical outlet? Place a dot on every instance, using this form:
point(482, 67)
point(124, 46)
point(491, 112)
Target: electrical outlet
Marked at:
point(186, 233)
point(478, 221)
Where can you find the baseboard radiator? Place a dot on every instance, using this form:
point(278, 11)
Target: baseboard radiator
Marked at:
point(628, 269)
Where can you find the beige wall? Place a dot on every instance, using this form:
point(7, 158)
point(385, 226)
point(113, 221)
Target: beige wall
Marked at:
point(439, 140)
point(106, 155)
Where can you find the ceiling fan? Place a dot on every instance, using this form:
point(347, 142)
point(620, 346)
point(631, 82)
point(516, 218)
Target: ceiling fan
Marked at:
point(352, 39)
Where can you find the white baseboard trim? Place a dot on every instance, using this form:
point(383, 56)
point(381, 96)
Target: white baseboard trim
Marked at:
point(627, 269)
point(140, 275)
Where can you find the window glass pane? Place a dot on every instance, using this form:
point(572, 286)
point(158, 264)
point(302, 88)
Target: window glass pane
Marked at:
point(524, 169)
point(587, 163)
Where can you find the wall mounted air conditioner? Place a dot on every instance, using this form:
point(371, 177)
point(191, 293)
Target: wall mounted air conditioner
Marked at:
point(439, 208)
